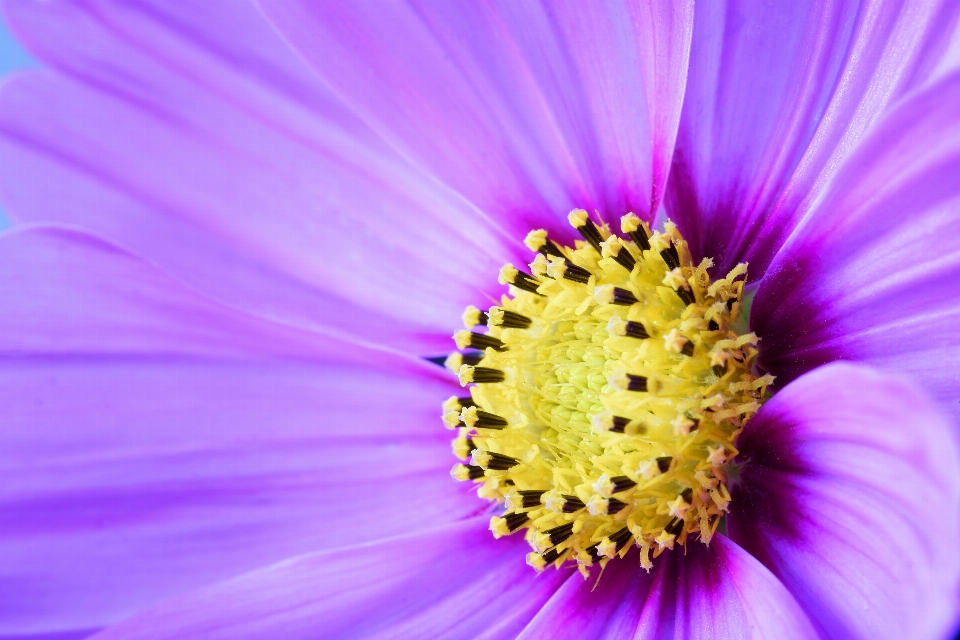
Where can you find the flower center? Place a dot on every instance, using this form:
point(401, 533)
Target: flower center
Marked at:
point(606, 395)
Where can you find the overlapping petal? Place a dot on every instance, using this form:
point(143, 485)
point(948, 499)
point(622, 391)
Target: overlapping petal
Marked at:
point(716, 592)
point(849, 492)
point(526, 109)
point(777, 96)
point(453, 582)
point(155, 441)
point(216, 153)
point(874, 275)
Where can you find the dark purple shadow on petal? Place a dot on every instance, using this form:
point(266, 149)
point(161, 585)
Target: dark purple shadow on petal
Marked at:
point(837, 476)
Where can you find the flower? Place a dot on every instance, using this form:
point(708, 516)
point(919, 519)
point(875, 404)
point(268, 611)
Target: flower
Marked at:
point(228, 253)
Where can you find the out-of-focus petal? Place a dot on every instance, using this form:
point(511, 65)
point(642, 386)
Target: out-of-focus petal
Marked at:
point(849, 491)
point(874, 275)
point(191, 134)
point(154, 441)
point(697, 592)
point(453, 582)
point(778, 94)
point(526, 109)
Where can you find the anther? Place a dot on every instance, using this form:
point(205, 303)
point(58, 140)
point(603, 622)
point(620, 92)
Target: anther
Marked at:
point(620, 539)
point(609, 294)
point(509, 523)
point(468, 339)
point(606, 421)
point(663, 463)
point(670, 256)
point(563, 268)
point(537, 241)
point(467, 472)
point(500, 317)
point(618, 327)
point(551, 556)
point(675, 527)
point(477, 419)
point(631, 225)
point(524, 499)
point(473, 317)
point(677, 342)
point(624, 381)
point(678, 507)
point(480, 375)
point(492, 461)
point(453, 403)
point(559, 534)
point(463, 447)
point(456, 360)
point(511, 275)
point(561, 503)
point(581, 221)
point(613, 248)
point(606, 486)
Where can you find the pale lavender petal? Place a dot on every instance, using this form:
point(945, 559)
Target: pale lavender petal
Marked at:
point(698, 592)
point(453, 582)
point(875, 274)
point(190, 133)
point(526, 109)
point(154, 441)
point(778, 94)
point(849, 491)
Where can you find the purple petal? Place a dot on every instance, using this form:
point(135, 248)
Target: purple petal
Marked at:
point(453, 582)
point(875, 274)
point(849, 491)
point(189, 133)
point(778, 94)
point(154, 441)
point(527, 110)
point(697, 592)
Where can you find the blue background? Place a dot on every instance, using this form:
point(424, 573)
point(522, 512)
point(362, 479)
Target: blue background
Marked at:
point(12, 57)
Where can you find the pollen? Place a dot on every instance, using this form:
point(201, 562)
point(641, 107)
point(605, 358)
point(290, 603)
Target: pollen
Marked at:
point(606, 392)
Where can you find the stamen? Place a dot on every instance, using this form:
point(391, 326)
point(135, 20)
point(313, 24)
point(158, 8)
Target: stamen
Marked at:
point(562, 268)
point(627, 381)
point(456, 360)
point(509, 523)
point(581, 221)
point(468, 339)
point(609, 294)
point(613, 248)
point(537, 241)
point(467, 472)
point(477, 419)
point(637, 230)
point(606, 414)
point(517, 500)
point(480, 375)
point(511, 275)
point(473, 317)
point(492, 461)
point(617, 327)
point(508, 319)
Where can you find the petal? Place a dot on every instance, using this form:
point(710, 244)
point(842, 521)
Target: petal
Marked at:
point(696, 592)
point(849, 491)
point(154, 441)
point(526, 109)
point(778, 94)
point(875, 274)
point(189, 133)
point(452, 582)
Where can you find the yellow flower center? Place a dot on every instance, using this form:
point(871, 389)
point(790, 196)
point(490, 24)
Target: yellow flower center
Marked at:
point(606, 395)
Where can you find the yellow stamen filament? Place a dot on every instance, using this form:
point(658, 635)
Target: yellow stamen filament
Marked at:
point(609, 398)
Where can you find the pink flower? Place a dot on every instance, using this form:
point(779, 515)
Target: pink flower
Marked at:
point(239, 230)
